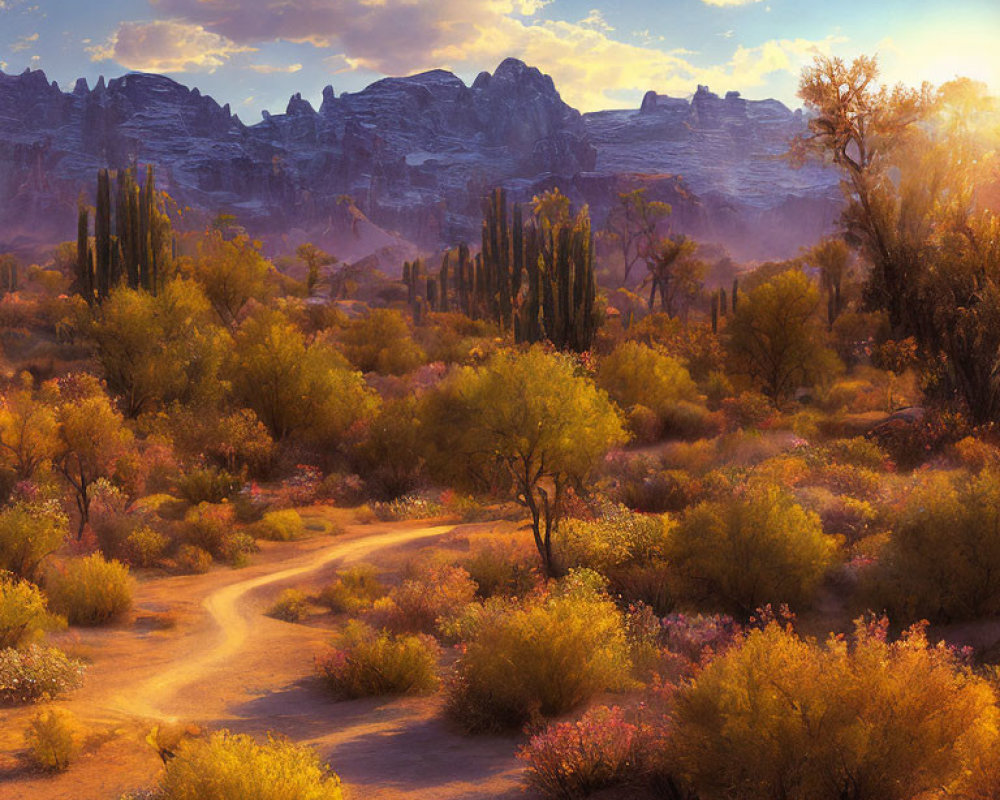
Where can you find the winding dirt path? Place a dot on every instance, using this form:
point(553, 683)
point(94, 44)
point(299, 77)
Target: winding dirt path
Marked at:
point(221, 663)
point(152, 697)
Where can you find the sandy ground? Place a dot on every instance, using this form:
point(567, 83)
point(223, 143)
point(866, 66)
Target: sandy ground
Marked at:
point(199, 649)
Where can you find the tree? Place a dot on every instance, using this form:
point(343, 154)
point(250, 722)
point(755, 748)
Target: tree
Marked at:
point(777, 716)
point(860, 126)
point(295, 387)
point(91, 440)
point(157, 349)
point(231, 272)
point(314, 259)
point(632, 224)
point(832, 257)
point(27, 430)
point(776, 338)
point(30, 533)
point(675, 273)
point(527, 425)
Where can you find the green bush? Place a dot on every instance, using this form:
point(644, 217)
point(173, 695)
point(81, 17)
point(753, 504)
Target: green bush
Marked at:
point(544, 655)
point(284, 525)
point(207, 485)
point(144, 547)
point(370, 663)
point(193, 560)
point(24, 613)
point(356, 587)
point(943, 557)
point(90, 590)
point(229, 766)
point(29, 533)
point(291, 606)
point(750, 550)
point(36, 673)
point(53, 739)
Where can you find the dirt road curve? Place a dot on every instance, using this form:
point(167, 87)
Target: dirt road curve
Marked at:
point(152, 697)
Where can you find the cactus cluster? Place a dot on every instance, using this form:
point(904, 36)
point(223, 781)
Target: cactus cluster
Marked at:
point(131, 242)
point(532, 278)
point(8, 274)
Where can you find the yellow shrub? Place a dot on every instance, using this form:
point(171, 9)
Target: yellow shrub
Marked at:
point(53, 739)
point(90, 590)
point(744, 552)
point(230, 766)
point(780, 716)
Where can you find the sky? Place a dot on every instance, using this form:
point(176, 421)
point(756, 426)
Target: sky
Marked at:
point(254, 54)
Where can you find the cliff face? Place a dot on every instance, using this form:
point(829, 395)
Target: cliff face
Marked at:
point(416, 154)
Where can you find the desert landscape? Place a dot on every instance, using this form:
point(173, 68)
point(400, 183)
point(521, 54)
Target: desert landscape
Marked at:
point(524, 420)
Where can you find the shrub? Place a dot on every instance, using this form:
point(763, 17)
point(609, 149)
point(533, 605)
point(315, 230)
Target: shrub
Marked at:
point(144, 547)
point(90, 590)
point(238, 548)
point(637, 375)
point(418, 604)
point(502, 568)
point(942, 559)
point(780, 716)
point(381, 342)
point(390, 457)
point(29, 533)
point(747, 410)
point(747, 551)
point(618, 536)
point(229, 766)
point(207, 485)
point(571, 760)
point(24, 614)
point(544, 655)
point(356, 587)
point(280, 526)
point(36, 673)
point(53, 739)
point(405, 508)
point(291, 606)
point(370, 663)
point(209, 527)
point(192, 560)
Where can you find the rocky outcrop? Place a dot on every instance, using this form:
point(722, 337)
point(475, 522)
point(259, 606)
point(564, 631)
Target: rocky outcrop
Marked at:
point(416, 155)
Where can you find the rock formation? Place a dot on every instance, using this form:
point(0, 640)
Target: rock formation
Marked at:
point(415, 154)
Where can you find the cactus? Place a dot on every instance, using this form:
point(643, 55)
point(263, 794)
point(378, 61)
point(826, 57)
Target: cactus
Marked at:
point(736, 293)
point(130, 244)
point(723, 302)
point(715, 312)
point(8, 274)
point(536, 280)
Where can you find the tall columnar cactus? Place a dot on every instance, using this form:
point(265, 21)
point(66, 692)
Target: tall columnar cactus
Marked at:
point(736, 293)
point(102, 234)
point(132, 241)
point(8, 274)
point(723, 302)
point(84, 255)
point(715, 312)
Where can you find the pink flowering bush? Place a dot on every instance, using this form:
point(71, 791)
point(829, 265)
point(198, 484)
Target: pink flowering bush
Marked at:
point(572, 760)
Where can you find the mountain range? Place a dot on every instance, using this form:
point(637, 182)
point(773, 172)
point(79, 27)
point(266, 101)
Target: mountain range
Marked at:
point(414, 154)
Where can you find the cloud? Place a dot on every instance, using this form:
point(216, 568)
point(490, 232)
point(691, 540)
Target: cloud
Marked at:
point(729, 3)
point(271, 69)
point(394, 37)
point(166, 46)
point(24, 43)
point(595, 21)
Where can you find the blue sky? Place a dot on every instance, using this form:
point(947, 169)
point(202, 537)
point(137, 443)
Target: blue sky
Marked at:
point(254, 54)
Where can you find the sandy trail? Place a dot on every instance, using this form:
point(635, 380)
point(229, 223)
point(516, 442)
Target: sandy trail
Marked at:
point(153, 696)
point(226, 665)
